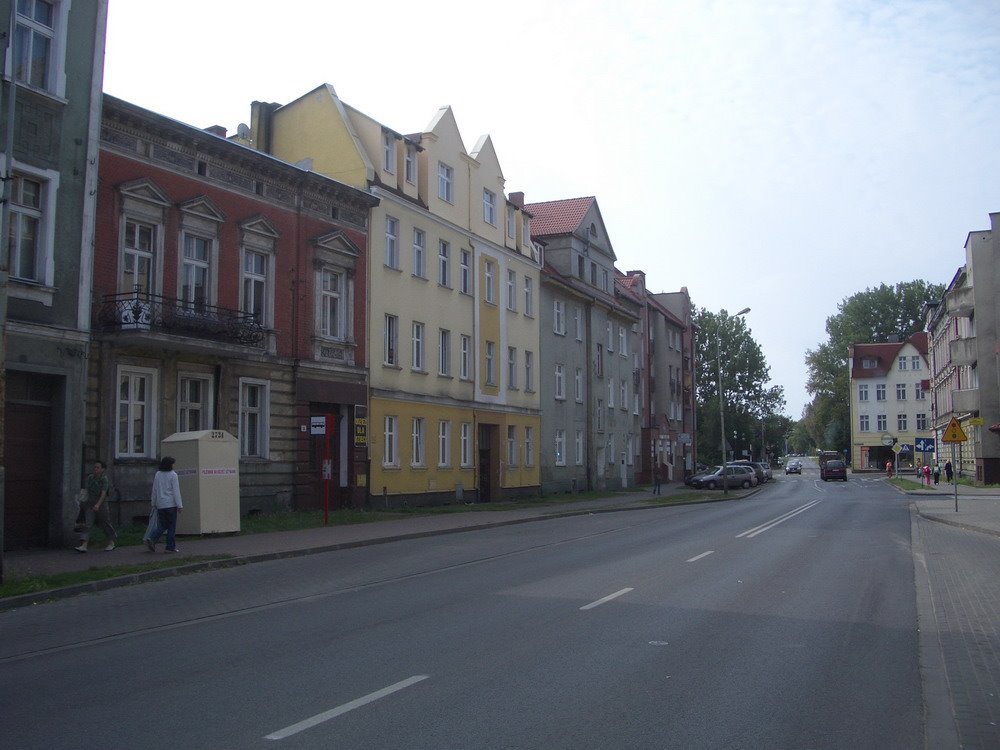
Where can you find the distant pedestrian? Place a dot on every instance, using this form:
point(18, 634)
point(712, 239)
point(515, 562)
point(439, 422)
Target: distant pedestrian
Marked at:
point(888, 469)
point(927, 474)
point(937, 472)
point(948, 471)
point(656, 480)
point(95, 508)
point(166, 499)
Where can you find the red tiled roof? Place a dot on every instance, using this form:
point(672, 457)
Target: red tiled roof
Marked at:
point(558, 217)
point(884, 355)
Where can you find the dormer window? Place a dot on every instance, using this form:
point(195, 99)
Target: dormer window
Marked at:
point(388, 153)
point(410, 164)
point(593, 230)
point(869, 363)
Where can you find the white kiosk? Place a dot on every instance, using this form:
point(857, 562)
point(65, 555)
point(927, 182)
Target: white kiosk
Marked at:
point(208, 468)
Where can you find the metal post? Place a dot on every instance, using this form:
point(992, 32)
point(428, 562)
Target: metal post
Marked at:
point(954, 476)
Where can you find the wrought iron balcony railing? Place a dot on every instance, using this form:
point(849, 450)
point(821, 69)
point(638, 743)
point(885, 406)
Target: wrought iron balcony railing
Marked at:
point(140, 311)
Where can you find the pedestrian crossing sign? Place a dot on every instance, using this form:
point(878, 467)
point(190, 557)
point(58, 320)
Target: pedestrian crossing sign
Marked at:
point(953, 433)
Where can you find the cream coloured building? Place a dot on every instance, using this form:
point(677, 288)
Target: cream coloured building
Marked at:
point(452, 285)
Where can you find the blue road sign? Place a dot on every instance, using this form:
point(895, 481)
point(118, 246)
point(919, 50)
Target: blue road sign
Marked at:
point(924, 445)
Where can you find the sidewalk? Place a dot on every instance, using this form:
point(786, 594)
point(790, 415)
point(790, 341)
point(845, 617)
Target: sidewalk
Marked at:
point(238, 550)
point(978, 507)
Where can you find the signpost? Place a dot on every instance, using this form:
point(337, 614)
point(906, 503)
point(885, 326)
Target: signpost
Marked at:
point(954, 433)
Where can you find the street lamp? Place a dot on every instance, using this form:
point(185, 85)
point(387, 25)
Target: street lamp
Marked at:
point(722, 398)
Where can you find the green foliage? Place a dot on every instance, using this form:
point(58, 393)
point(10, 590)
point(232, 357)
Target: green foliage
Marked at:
point(750, 404)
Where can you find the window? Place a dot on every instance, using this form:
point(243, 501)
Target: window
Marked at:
point(410, 164)
point(863, 423)
point(464, 272)
point(880, 422)
point(512, 291)
point(611, 393)
point(918, 391)
point(465, 358)
point(559, 317)
point(921, 421)
point(444, 277)
point(578, 384)
point(27, 254)
point(417, 346)
point(880, 392)
point(465, 440)
point(578, 322)
point(446, 180)
point(862, 392)
point(529, 297)
point(600, 414)
point(560, 385)
point(136, 412)
point(599, 361)
point(390, 341)
point(254, 418)
point(444, 443)
point(489, 273)
point(623, 394)
point(635, 404)
point(417, 442)
point(511, 368)
point(388, 153)
point(194, 402)
point(332, 304)
point(901, 391)
point(869, 363)
point(444, 352)
point(581, 266)
point(491, 357)
point(419, 262)
point(609, 329)
point(511, 445)
point(901, 422)
point(390, 445)
point(511, 222)
point(525, 230)
point(256, 285)
point(622, 342)
point(34, 43)
point(391, 242)
point(489, 207)
point(902, 363)
point(137, 256)
point(529, 372)
point(604, 280)
point(579, 447)
point(529, 446)
point(915, 362)
point(560, 447)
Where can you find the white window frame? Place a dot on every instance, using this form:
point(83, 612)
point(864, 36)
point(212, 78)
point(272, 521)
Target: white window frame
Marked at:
point(921, 420)
point(390, 442)
point(622, 342)
point(55, 35)
point(332, 294)
point(465, 441)
point(137, 253)
point(560, 382)
point(388, 153)
point(511, 445)
point(417, 346)
point(902, 362)
point(862, 391)
point(623, 394)
point(417, 442)
point(410, 164)
point(529, 446)
point(444, 443)
point(42, 215)
point(203, 409)
point(444, 260)
point(465, 271)
point(512, 368)
point(901, 422)
point(419, 253)
point(490, 207)
point(560, 447)
point(390, 340)
point(261, 446)
point(579, 447)
point(491, 363)
point(559, 317)
point(254, 282)
point(446, 182)
point(529, 297)
point(881, 422)
point(529, 372)
point(512, 290)
point(578, 384)
point(444, 352)
point(915, 363)
point(880, 392)
point(145, 411)
point(490, 281)
point(465, 357)
point(511, 222)
point(863, 423)
point(392, 242)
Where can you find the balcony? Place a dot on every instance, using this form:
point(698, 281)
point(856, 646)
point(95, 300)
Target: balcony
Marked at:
point(965, 401)
point(140, 311)
point(959, 302)
point(963, 351)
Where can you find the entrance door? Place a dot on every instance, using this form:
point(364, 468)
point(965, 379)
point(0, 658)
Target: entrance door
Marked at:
point(319, 454)
point(28, 433)
point(486, 467)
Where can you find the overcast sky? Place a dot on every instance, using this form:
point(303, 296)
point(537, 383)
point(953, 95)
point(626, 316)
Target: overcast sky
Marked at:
point(768, 154)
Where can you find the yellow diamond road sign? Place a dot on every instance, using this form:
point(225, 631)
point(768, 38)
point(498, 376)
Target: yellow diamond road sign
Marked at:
point(953, 433)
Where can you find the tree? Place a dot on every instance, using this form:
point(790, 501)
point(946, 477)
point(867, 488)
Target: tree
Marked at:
point(871, 316)
point(749, 402)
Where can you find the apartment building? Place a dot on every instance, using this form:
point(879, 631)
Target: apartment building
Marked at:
point(228, 294)
point(452, 300)
point(591, 348)
point(962, 328)
point(53, 68)
point(890, 406)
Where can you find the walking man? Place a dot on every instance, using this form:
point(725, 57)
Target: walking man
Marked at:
point(96, 507)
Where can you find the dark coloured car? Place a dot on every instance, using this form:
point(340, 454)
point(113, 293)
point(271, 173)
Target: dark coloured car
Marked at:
point(833, 469)
point(793, 467)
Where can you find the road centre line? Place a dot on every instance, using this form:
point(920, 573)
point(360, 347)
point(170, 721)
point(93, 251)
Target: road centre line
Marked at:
point(698, 557)
point(606, 599)
point(750, 533)
point(335, 712)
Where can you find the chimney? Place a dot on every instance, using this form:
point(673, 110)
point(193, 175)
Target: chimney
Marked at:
point(216, 130)
point(517, 199)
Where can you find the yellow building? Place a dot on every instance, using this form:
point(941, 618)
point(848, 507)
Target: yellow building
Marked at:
point(452, 284)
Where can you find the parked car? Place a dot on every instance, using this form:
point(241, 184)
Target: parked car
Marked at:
point(734, 476)
point(694, 479)
point(757, 469)
point(833, 469)
point(766, 468)
point(793, 467)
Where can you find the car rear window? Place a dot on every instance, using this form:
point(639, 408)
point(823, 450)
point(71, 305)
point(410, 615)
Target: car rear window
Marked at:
point(835, 464)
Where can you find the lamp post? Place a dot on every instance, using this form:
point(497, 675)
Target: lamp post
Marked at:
point(722, 398)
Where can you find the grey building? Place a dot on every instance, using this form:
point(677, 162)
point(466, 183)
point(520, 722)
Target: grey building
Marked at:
point(53, 71)
point(590, 352)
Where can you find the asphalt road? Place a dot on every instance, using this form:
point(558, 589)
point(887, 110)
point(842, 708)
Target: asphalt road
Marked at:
point(785, 620)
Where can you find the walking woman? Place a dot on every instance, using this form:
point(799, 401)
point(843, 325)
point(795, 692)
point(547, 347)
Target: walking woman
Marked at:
point(166, 500)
